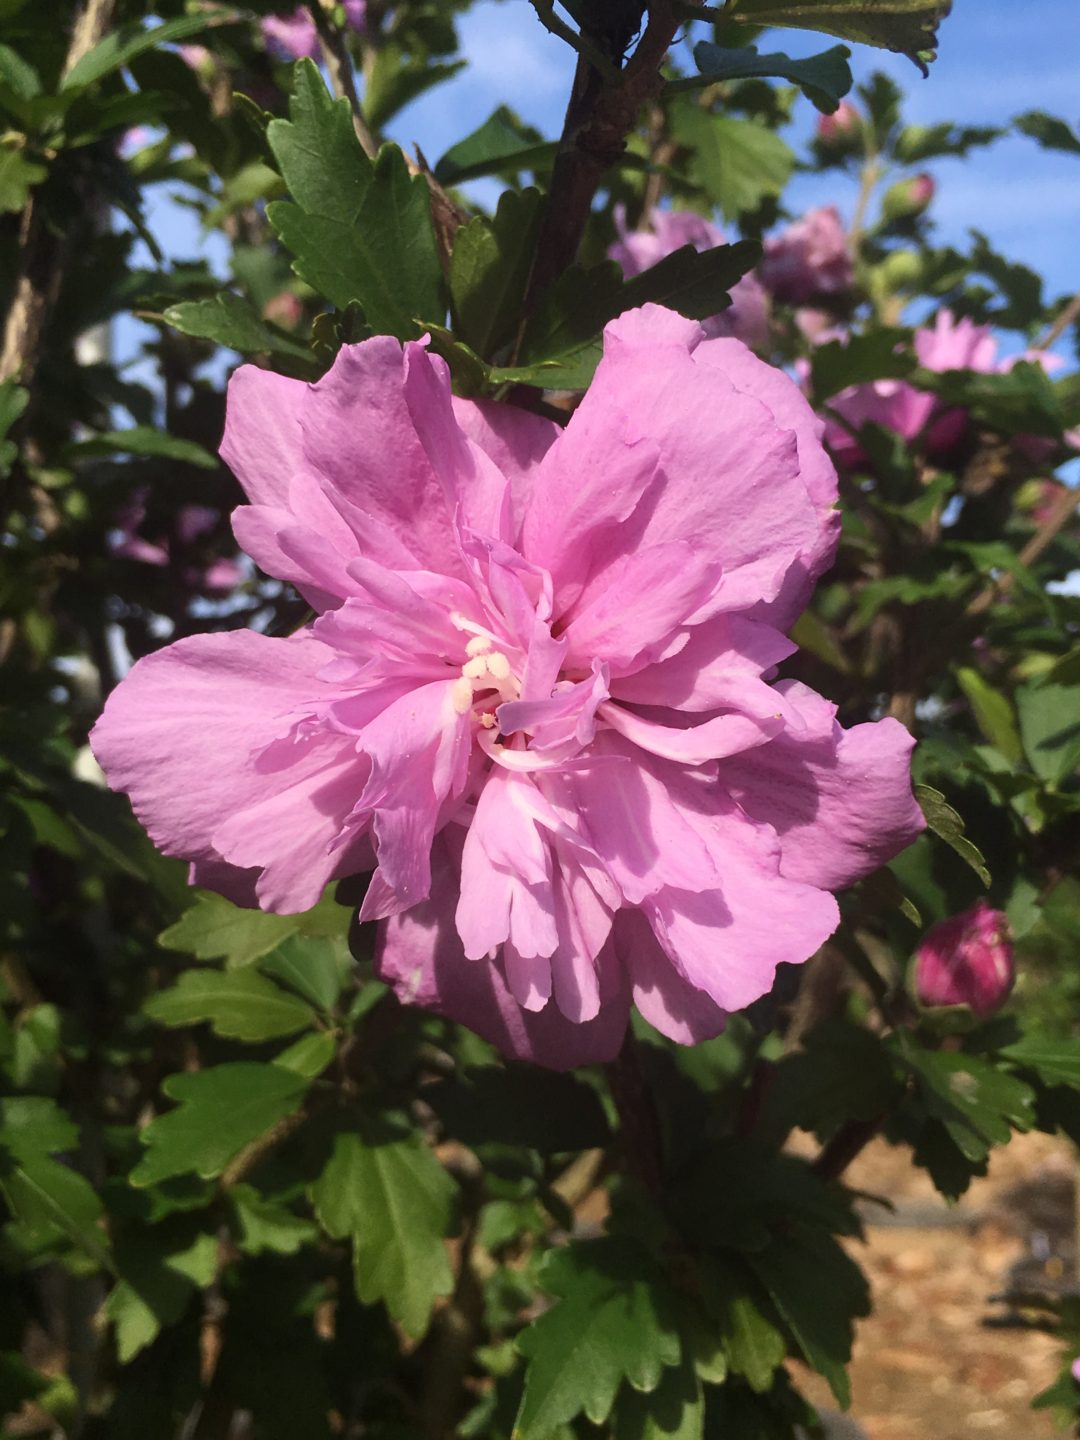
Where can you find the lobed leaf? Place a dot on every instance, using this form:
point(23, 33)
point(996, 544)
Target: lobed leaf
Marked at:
point(394, 1201)
point(908, 27)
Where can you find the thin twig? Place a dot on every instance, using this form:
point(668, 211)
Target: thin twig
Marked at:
point(1061, 323)
point(339, 68)
point(1061, 512)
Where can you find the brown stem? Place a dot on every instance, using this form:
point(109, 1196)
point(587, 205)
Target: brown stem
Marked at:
point(639, 1122)
point(848, 1142)
point(1060, 324)
point(339, 68)
point(41, 250)
point(600, 115)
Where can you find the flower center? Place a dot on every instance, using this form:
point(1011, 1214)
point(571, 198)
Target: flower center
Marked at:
point(487, 670)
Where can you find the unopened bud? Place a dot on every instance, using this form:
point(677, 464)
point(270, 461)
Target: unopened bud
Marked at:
point(841, 128)
point(908, 198)
point(284, 309)
point(967, 960)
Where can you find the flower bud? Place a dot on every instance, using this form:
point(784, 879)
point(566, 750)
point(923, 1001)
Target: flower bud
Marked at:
point(841, 129)
point(284, 309)
point(967, 960)
point(907, 199)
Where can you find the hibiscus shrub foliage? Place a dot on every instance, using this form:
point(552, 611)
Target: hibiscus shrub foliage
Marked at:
point(533, 901)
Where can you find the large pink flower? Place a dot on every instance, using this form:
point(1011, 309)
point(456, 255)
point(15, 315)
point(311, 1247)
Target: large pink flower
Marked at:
point(538, 693)
point(747, 317)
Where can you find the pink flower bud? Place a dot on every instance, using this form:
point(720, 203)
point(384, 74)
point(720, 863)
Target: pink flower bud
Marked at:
point(908, 198)
point(967, 960)
point(843, 125)
point(1074, 1369)
point(284, 309)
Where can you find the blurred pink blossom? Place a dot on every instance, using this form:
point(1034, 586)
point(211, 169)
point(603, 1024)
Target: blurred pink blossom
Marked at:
point(808, 259)
point(747, 317)
point(967, 960)
point(191, 523)
point(294, 37)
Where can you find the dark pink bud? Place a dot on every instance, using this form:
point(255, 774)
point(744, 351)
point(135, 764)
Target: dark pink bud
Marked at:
point(967, 960)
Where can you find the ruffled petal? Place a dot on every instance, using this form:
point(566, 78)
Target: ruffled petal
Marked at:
point(670, 1004)
point(419, 954)
point(840, 800)
point(728, 473)
point(262, 444)
point(186, 734)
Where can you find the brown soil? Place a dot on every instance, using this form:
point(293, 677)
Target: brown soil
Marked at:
point(926, 1365)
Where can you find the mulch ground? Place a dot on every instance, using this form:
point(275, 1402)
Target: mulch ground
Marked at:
point(927, 1364)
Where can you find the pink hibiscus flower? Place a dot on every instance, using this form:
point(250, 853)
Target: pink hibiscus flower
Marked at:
point(895, 405)
point(538, 694)
point(747, 317)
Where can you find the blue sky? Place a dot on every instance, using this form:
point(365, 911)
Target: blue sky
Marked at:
point(996, 59)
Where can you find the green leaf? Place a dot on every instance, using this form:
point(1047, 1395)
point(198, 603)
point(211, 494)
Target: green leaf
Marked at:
point(520, 1105)
point(993, 712)
point(1050, 729)
point(122, 45)
point(17, 176)
point(614, 1320)
point(239, 1004)
point(501, 146)
point(917, 143)
point(752, 1342)
point(48, 1199)
point(310, 1055)
point(1056, 1062)
point(218, 1112)
point(675, 1410)
point(946, 823)
point(489, 270)
point(818, 1291)
point(228, 320)
point(13, 402)
point(908, 27)
point(214, 928)
point(315, 968)
point(266, 1226)
point(878, 355)
point(144, 440)
point(824, 79)
point(695, 283)
point(392, 81)
point(977, 1103)
point(1050, 132)
point(359, 232)
point(739, 162)
point(562, 340)
point(155, 1287)
point(394, 1201)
